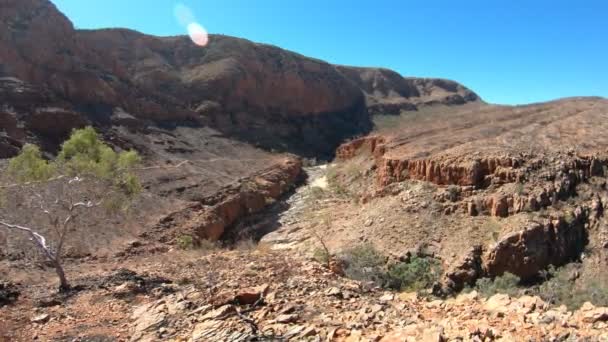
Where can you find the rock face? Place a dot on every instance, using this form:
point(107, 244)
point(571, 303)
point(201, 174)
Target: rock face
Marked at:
point(526, 252)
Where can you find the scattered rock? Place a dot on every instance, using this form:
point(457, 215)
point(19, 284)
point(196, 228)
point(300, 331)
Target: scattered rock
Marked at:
point(251, 295)
point(42, 318)
point(220, 313)
point(596, 315)
point(387, 297)
point(287, 318)
point(334, 291)
point(497, 303)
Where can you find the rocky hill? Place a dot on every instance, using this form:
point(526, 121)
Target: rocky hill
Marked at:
point(253, 92)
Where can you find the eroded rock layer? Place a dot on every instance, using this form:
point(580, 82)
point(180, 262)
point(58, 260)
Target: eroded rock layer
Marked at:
point(213, 215)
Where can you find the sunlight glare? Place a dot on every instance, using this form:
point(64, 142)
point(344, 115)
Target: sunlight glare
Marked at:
point(184, 16)
point(198, 34)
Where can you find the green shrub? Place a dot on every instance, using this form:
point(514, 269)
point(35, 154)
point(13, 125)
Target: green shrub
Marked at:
point(185, 242)
point(507, 283)
point(365, 263)
point(85, 153)
point(82, 154)
point(321, 256)
point(417, 274)
point(30, 166)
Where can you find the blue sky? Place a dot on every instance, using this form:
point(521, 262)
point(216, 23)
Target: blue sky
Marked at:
point(508, 51)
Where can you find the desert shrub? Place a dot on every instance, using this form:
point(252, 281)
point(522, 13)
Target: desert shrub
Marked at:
point(563, 286)
point(493, 227)
point(520, 189)
point(507, 283)
point(246, 245)
point(29, 165)
point(185, 242)
point(206, 245)
point(453, 193)
point(416, 274)
point(321, 256)
point(365, 263)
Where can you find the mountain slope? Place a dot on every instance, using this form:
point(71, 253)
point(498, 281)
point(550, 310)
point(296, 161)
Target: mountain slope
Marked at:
point(257, 93)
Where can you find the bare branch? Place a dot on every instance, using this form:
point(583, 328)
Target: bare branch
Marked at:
point(40, 241)
point(36, 237)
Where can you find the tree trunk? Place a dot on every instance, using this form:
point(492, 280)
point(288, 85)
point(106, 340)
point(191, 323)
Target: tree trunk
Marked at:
point(63, 282)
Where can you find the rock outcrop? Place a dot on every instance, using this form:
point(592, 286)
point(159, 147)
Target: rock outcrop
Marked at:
point(213, 215)
point(475, 173)
point(531, 250)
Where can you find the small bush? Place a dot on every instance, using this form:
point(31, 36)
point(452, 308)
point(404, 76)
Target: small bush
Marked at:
point(30, 166)
point(246, 245)
point(85, 153)
point(185, 242)
point(520, 189)
point(417, 274)
point(206, 245)
point(321, 256)
point(507, 283)
point(564, 286)
point(453, 193)
point(365, 263)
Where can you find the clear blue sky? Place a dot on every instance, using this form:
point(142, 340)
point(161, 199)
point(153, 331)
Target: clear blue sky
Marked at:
point(508, 51)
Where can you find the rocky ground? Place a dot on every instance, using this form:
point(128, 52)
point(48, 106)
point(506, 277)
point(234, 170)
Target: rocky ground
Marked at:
point(257, 293)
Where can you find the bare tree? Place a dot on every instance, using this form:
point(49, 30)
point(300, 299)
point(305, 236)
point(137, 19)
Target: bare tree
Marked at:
point(47, 203)
point(327, 256)
point(55, 201)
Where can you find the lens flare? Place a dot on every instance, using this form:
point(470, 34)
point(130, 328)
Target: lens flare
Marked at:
point(186, 19)
point(198, 34)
